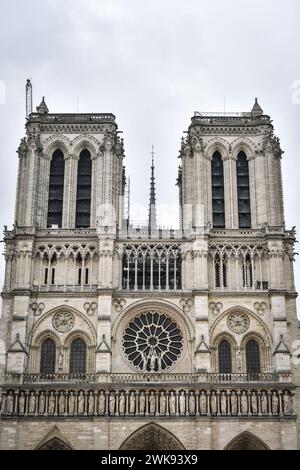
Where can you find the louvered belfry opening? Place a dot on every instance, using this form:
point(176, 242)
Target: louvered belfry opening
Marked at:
point(56, 189)
point(83, 194)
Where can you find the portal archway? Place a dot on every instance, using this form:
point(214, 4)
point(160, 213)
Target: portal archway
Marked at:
point(152, 437)
point(246, 441)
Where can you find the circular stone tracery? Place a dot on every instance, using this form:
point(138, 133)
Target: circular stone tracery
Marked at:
point(238, 322)
point(152, 342)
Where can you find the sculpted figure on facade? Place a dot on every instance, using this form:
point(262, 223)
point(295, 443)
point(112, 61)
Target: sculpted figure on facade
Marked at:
point(61, 403)
point(121, 403)
point(80, 403)
point(287, 404)
point(101, 403)
point(132, 403)
point(213, 403)
point(234, 403)
point(91, 402)
point(32, 403)
point(203, 403)
point(112, 403)
point(162, 403)
point(223, 403)
point(9, 403)
point(181, 400)
point(244, 403)
point(172, 403)
point(71, 403)
point(192, 403)
point(275, 403)
point(22, 404)
point(253, 400)
point(264, 403)
point(152, 403)
point(142, 403)
point(51, 403)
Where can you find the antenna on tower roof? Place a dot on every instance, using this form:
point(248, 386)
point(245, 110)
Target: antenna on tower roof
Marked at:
point(28, 97)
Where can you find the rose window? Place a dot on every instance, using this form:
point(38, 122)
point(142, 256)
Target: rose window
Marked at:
point(152, 342)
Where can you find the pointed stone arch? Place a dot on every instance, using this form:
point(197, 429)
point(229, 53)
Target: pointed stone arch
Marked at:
point(246, 441)
point(152, 436)
point(54, 440)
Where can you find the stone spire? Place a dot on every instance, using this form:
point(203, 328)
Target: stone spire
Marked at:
point(42, 108)
point(256, 110)
point(152, 225)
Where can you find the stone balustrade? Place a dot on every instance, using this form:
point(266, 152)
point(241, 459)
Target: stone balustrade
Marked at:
point(162, 378)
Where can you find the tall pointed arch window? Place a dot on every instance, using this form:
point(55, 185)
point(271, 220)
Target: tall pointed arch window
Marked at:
point(224, 356)
point(217, 179)
point(56, 189)
point(78, 356)
point(243, 191)
point(252, 357)
point(83, 194)
point(48, 352)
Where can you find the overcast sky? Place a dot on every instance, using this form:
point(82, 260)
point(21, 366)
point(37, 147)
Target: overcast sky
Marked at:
point(152, 64)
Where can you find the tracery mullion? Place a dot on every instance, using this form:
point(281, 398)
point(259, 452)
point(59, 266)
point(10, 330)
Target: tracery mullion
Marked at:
point(167, 271)
point(135, 271)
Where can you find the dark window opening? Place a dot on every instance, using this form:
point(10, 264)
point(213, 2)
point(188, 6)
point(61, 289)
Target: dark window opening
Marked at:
point(243, 190)
point(83, 194)
point(46, 276)
point(224, 353)
point(78, 356)
point(53, 276)
point(48, 351)
point(56, 189)
point(217, 178)
point(252, 357)
point(86, 281)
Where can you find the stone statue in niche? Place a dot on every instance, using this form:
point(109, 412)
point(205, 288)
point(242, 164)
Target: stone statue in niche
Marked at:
point(101, 403)
point(244, 403)
point(287, 405)
point(112, 403)
point(132, 403)
point(21, 403)
point(80, 403)
point(71, 403)
point(275, 403)
point(51, 403)
point(213, 403)
point(182, 403)
point(253, 400)
point(223, 403)
point(172, 403)
point(234, 403)
point(61, 403)
point(152, 400)
point(142, 403)
point(121, 403)
point(9, 403)
point(264, 403)
point(162, 403)
point(203, 403)
point(32, 403)
point(60, 363)
point(91, 403)
point(192, 403)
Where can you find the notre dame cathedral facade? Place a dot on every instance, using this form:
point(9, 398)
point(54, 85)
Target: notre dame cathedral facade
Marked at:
point(122, 337)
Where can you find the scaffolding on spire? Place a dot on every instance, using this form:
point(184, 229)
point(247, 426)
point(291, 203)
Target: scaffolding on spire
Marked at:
point(152, 222)
point(28, 89)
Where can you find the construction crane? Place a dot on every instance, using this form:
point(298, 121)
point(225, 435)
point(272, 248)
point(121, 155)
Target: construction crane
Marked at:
point(28, 98)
